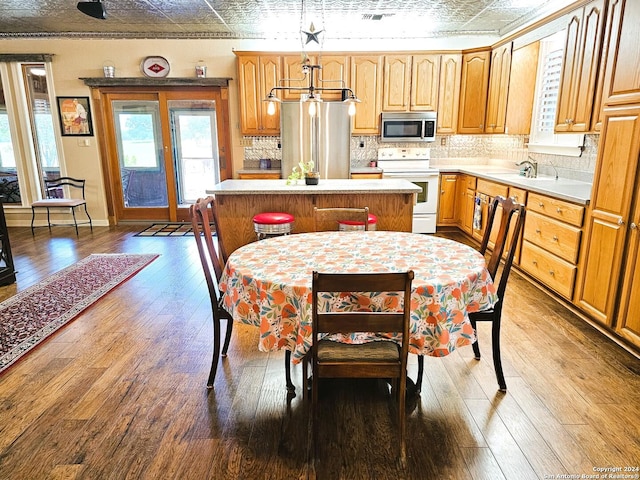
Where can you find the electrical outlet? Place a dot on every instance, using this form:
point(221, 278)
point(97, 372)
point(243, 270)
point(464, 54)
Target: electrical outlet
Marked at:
point(443, 141)
point(246, 142)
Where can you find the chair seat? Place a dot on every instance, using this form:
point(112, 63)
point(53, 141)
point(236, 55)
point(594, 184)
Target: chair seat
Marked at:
point(273, 218)
point(59, 202)
point(367, 352)
point(344, 225)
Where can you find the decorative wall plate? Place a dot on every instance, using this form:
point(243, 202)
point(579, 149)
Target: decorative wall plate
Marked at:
point(155, 67)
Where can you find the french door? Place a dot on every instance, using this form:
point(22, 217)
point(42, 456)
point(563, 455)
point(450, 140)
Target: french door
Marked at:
point(164, 151)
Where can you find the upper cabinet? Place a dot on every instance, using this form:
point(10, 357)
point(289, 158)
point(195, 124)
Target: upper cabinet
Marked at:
point(410, 83)
point(580, 68)
point(397, 83)
point(473, 91)
point(449, 93)
point(522, 87)
point(257, 74)
point(366, 82)
point(498, 89)
point(425, 77)
point(621, 79)
point(333, 74)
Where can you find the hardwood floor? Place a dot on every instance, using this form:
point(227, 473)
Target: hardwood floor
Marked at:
point(120, 392)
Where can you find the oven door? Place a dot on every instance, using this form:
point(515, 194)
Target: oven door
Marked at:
point(425, 208)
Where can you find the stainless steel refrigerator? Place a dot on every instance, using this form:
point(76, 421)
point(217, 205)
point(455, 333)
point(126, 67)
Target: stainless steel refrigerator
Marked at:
point(324, 138)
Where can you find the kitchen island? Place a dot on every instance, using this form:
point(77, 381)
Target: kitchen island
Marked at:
point(391, 200)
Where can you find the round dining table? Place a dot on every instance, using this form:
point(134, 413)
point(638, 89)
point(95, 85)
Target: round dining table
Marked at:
point(268, 284)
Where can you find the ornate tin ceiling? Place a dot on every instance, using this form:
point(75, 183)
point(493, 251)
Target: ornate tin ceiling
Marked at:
point(273, 19)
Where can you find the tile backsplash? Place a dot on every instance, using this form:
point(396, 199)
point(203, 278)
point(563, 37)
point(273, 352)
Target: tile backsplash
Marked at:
point(499, 150)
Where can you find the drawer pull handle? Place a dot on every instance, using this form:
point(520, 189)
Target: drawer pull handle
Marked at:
point(535, 262)
point(541, 205)
point(537, 230)
point(555, 238)
point(559, 210)
point(633, 226)
point(620, 221)
point(551, 272)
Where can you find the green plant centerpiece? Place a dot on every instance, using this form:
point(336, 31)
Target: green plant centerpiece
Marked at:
point(304, 170)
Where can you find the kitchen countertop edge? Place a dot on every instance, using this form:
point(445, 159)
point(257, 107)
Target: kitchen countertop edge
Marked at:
point(575, 191)
point(326, 186)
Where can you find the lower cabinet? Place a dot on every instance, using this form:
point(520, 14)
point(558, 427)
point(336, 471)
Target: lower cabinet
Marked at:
point(447, 200)
point(551, 242)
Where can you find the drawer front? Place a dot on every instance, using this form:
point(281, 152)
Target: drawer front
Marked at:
point(554, 272)
point(259, 176)
point(558, 209)
point(469, 182)
point(518, 194)
point(361, 176)
point(492, 189)
point(556, 237)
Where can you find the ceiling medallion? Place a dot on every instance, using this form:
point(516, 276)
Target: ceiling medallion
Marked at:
point(155, 67)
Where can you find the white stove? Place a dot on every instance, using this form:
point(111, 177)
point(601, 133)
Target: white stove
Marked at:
point(413, 164)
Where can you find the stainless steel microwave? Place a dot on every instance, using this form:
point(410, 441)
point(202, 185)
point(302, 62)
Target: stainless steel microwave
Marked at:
point(408, 127)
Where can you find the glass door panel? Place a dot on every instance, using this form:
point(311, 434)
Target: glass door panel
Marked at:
point(195, 147)
point(140, 153)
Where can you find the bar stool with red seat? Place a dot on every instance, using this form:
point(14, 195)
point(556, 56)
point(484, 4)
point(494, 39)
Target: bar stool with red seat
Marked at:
point(345, 225)
point(271, 224)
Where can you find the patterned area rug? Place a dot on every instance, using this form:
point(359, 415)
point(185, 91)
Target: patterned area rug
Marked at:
point(166, 230)
point(29, 317)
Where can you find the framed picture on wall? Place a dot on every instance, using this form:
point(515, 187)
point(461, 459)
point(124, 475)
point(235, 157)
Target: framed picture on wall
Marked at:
point(75, 116)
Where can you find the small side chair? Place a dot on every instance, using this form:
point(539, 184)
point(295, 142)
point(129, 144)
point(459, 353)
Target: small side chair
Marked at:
point(56, 198)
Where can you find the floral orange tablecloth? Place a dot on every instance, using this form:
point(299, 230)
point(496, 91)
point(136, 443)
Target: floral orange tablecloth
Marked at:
point(268, 284)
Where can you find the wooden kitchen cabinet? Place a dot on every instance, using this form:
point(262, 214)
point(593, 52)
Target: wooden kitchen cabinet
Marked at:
point(366, 81)
point(447, 199)
point(500, 71)
point(580, 68)
point(333, 74)
point(487, 191)
point(522, 86)
point(366, 176)
point(397, 83)
point(621, 55)
point(259, 175)
point(551, 242)
point(449, 93)
point(465, 196)
point(257, 74)
point(411, 83)
point(609, 234)
point(473, 91)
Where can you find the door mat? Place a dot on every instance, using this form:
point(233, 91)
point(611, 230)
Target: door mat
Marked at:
point(31, 316)
point(168, 230)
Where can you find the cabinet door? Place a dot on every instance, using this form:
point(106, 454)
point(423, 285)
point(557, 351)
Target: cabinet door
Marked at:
point(397, 83)
point(606, 228)
point(293, 76)
point(366, 82)
point(257, 74)
point(334, 74)
point(473, 91)
point(628, 318)
point(498, 89)
point(522, 86)
point(425, 78)
point(622, 71)
point(447, 200)
point(579, 69)
point(449, 93)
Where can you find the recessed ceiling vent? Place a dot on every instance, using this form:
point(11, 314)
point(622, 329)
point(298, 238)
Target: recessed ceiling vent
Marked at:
point(376, 16)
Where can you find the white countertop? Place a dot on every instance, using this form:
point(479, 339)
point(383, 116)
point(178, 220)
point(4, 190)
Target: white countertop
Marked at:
point(563, 188)
point(325, 186)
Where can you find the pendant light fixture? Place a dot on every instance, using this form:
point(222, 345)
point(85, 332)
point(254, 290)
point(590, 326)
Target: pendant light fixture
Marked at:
point(311, 94)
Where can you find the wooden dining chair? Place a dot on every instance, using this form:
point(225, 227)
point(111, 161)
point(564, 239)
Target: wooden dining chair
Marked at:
point(378, 359)
point(328, 218)
point(203, 215)
point(508, 225)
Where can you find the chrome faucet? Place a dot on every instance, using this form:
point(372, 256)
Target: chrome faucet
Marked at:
point(530, 169)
